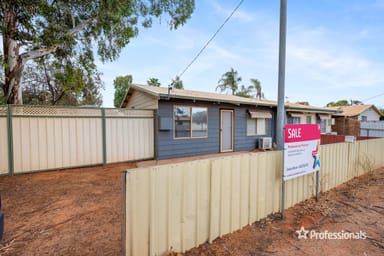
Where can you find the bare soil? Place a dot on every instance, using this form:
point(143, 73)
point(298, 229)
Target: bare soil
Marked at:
point(78, 212)
point(70, 212)
point(355, 206)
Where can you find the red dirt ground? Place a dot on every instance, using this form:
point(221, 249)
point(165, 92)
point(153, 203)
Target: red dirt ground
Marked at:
point(78, 212)
point(71, 212)
point(351, 207)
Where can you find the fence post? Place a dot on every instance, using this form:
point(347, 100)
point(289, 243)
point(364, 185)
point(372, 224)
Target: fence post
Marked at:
point(124, 211)
point(155, 132)
point(103, 135)
point(10, 140)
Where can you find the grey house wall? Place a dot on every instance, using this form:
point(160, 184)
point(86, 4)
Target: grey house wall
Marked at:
point(168, 147)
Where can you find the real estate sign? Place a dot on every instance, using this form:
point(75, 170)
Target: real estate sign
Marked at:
point(301, 149)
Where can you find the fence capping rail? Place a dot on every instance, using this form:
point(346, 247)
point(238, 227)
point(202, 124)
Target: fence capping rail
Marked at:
point(41, 138)
point(175, 207)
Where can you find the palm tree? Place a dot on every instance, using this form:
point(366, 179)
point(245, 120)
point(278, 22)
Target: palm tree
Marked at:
point(153, 82)
point(245, 91)
point(178, 83)
point(257, 86)
point(229, 80)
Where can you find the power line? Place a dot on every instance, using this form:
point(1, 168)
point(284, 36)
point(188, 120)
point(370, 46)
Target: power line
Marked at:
point(210, 40)
point(373, 97)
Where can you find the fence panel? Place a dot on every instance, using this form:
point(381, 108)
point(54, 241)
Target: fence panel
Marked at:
point(179, 206)
point(4, 141)
point(45, 137)
point(264, 184)
point(167, 208)
point(372, 129)
point(52, 138)
point(129, 135)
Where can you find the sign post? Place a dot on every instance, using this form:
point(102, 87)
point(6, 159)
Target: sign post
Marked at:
point(301, 152)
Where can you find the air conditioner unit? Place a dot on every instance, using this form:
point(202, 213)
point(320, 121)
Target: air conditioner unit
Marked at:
point(350, 139)
point(265, 143)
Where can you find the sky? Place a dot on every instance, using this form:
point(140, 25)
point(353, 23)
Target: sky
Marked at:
point(333, 50)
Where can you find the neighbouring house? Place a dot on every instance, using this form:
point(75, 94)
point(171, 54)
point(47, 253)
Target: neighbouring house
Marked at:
point(348, 120)
point(193, 123)
point(303, 113)
point(364, 113)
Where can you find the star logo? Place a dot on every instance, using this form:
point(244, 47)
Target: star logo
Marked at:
point(302, 233)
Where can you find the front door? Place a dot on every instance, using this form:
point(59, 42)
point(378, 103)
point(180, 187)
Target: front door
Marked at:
point(226, 130)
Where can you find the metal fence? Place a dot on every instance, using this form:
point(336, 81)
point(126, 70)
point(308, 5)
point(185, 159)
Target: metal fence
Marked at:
point(372, 129)
point(179, 206)
point(36, 138)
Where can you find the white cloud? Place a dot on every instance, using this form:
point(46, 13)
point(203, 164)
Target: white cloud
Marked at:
point(240, 15)
point(320, 56)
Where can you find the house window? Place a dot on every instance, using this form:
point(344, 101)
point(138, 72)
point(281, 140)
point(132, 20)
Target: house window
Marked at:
point(309, 119)
point(323, 125)
point(190, 122)
point(257, 122)
point(364, 118)
point(294, 120)
point(256, 126)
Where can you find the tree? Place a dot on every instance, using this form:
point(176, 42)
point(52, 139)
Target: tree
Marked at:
point(356, 102)
point(178, 83)
point(245, 91)
point(2, 102)
point(54, 82)
point(2, 98)
point(229, 80)
point(344, 103)
point(121, 84)
point(154, 82)
point(35, 28)
point(338, 103)
point(255, 84)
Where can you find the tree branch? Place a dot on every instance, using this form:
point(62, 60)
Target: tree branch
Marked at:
point(47, 50)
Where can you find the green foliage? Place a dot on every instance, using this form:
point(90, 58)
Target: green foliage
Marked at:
point(110, 24)
point(344, 103)
point(256, 85)
point(178, 83)
point(154, 82)
point(66, 29)
point(229, 80)
point(245, 91)
point(121, 84)
point(2, 98)
point(52, 82)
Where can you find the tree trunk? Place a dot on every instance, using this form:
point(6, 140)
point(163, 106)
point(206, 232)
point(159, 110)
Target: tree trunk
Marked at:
point(14, 63)
point(13, 72)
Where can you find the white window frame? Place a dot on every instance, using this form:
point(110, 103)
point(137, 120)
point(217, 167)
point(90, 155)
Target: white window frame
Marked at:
point(190, 122)
point(258, 129)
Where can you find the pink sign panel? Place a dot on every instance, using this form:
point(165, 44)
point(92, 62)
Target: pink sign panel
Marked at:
point(301, 149)
point(301, 132)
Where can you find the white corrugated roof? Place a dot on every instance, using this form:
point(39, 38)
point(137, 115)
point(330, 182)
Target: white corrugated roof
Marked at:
point(220, 98)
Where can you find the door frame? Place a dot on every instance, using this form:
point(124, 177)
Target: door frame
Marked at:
point(221, 130)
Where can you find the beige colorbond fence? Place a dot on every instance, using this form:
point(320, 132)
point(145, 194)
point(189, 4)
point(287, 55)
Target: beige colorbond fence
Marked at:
point(3, 141)
point(42, 138)
point(179, 206)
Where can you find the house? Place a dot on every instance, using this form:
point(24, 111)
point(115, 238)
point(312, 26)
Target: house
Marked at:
point(193, 123)
point(350, 119)
point(364, 113)
point(303, 113)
